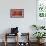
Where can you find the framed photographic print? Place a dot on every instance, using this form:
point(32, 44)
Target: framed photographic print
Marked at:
point(41, 8)
point(17, 13)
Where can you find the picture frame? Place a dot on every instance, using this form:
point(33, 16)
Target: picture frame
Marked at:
point(16, 13)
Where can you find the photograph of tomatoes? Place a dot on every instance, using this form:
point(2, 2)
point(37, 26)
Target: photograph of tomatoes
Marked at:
point(16, 13)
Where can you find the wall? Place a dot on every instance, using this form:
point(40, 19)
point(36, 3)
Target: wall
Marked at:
point(24, 24)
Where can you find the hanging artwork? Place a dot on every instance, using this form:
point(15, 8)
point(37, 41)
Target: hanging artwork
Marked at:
point(17, 13)
point(41, 8)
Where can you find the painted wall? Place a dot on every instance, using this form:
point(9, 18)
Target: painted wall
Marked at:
point(24, 24)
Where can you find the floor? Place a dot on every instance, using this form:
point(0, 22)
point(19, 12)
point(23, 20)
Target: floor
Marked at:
point(13, 44)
